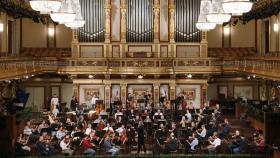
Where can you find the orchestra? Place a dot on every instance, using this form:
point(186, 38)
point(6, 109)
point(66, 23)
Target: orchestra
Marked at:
point(127, 126)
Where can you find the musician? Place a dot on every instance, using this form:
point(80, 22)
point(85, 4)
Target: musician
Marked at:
point(141, 137)
point(42, 126)
point(118, 113)
point(259, 144)
point(109, 148)
point(60, 133)
point(188, 116)
point(54, 101)
point(55, 111)
point(88, 130)
point(93, 137)
point(242, 146)
point(206, 109)
point(161, 127)
point(192, 128)
point(225, 128)
point(214, 141)
point(192, 142)
point(97, 121)
point(88, 146)
point(148, 119)
point(120, 129)
point(42, 148)
point(93, 101)
point(108, 128)
point(157, 114)
point(65, 146)
point(22, 143)
point(236, 139)
point(183, 122)
point(74, 103)
point(171, 144)
point(55, 126)
point(173, 128)
point(190, 106)
point(29, 130)
point(202, 133)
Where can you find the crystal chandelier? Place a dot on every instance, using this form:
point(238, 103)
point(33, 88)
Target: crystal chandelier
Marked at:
point(45, 6)
point(202, 23)
point(217, 14)
point(79, 21)
point(237, 7)
point(64, 14)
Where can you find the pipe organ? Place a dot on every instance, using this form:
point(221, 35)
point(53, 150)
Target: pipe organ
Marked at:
point(139, 25)
point(186, 15)
point(94, 15)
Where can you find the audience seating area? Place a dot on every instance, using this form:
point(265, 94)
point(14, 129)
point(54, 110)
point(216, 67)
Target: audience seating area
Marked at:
point(45, 52)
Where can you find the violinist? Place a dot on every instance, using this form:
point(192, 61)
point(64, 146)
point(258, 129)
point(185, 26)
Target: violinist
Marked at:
point(192, 142)
point(158, 114)
point(88, 130)
point(22, 143)
point(65, 146)
point(118, 114)
point(108, 128)
point(60, 133)
point(97, 121)
point(148, 119)
point(88, 146)
point(183, 122)
point(43, 125)
point(144, 114)
point(171, 144)
point(202, 132)
point(173, 128)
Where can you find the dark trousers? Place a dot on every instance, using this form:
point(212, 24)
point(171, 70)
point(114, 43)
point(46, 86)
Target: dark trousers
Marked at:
point(141, 144)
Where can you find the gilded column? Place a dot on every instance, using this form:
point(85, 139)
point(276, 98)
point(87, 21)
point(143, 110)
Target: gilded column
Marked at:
point(75, 44)
point(156, 10)
point(123, 93)
point(123, 28)
point(203, 95)
point(76, 90)
point(107, 9)
point(172, 87)
point(4, 34)
point(156, 94)
point(107, 95)
point(204, 45)
point(172, 47)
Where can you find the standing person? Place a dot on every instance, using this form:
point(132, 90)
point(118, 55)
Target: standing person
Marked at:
point(54, 101)
point(141, 137)
point(74, 103)
point(93, 101)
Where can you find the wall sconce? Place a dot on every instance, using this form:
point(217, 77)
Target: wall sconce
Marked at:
point(275, 27)
point(1, 27)
point(51, 31)
point(226, 30)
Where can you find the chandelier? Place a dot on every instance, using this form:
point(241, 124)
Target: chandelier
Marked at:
point(64, 14)
point(237, 7)
point(79, 21)
point(45, 6)
point(217, 14)
point(202, 23)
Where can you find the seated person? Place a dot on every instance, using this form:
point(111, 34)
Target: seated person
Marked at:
point(214, 141)
point(88, 146)
point(241, 148)
point(60, 133)
point(183, 122)
point(157, 114)
point(97, 120)
point(173, 128)
point(202, 133)
point(108, 128)
point(118, 113)
point(43, 148)
point(148, 119)
point(27, 129)
point(259, 144)
point(65, 146)
point(225, 128)
point(109, 146)
point(189, 116)
point(119, 120)
point(190, 106)
point(120, 129)
point(88, 130)
point(22, 144)
point(171, 144)
point(192, 143)
point(235, 141)
point(42, 126)
point(94, 137)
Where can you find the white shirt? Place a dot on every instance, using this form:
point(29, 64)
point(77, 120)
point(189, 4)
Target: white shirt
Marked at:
point(216, 142)
point(194, 143)
point(108, 129)
point(27, 131)
point(189, 116)
point(54, 101)
point(63, 145)
point(119, 130)
point(88, 131)
point(202, 133)
point(93, 100)
point(60, 134)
